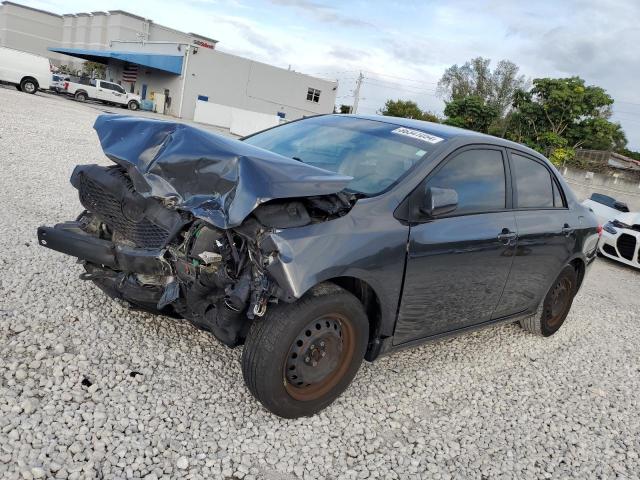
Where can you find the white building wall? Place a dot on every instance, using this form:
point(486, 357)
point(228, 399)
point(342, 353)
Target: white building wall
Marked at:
point(34, 31)
point(248, 85)
point(30, 30)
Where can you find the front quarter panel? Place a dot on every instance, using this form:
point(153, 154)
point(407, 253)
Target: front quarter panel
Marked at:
point(368, 244)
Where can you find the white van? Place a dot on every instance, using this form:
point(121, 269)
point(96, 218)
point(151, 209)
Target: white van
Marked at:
point(28, 72)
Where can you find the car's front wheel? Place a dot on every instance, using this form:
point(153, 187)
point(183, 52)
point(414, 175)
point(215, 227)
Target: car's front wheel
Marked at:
point(554, 308)
point(133, 105)
point(29, 85)
point(300, 357)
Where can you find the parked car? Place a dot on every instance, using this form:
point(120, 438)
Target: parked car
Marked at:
point(621, 239)
point(102, 91)
point(57, 82)
point(604, 207)
point(28, 72)
point(327, 240)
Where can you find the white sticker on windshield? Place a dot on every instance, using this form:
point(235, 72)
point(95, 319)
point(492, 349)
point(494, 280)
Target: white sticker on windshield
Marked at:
point(417, 134)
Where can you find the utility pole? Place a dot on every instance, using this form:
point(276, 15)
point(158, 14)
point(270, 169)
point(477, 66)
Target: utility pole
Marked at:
point(356, 93)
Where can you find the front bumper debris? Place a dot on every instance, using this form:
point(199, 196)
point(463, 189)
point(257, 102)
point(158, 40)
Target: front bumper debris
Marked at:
point(70, 239)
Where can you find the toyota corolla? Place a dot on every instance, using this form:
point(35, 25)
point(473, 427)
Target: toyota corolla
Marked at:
point(326, 241)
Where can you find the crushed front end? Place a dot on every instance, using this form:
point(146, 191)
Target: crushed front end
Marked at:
point(174, 231)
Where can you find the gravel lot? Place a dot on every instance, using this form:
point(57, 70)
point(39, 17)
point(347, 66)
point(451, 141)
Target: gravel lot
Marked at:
point(89, 389)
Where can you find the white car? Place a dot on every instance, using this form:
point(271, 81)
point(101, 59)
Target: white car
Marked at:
point(57, 82)
point(28, 72)
point(620, 229)
point(604, 207)
point(102, 91)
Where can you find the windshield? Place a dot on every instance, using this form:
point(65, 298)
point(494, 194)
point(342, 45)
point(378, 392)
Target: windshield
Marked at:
point(375, 154)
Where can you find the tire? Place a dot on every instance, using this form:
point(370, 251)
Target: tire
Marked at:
point(323, 336)
point(18, 87)
point(555, 307)
point(81, 97)
point(29, 85)
point(133, 105)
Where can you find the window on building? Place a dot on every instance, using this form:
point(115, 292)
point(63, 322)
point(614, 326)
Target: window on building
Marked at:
point(313, 95)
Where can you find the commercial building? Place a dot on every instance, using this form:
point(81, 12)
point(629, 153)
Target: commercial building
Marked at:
point(181, 74)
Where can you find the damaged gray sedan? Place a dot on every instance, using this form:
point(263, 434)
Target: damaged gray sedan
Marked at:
point(327, 240)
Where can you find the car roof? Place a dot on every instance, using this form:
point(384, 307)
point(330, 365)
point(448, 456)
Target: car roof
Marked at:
point(446, 131)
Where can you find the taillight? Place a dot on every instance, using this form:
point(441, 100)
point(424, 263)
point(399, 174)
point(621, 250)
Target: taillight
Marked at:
point(66, 85)
point(599, 230)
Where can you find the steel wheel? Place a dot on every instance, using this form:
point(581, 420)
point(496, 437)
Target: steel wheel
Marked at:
point(303, 355)
point(561, 296)
point(319, 357)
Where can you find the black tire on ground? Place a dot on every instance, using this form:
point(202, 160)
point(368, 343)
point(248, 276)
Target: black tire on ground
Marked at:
point(133, 105)
point(18, 87)
point(322, 337)
point(29, 85)
point(80, 96)
point(555, 306)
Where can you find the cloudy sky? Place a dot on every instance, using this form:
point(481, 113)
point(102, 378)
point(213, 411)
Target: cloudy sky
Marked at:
point(403, 46)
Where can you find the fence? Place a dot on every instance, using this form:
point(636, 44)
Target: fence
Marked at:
point(237, 120)
point(585, 183)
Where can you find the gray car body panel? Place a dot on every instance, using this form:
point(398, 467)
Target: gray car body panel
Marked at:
point(218, 179)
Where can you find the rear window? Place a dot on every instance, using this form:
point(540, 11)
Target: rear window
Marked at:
point(533, 183)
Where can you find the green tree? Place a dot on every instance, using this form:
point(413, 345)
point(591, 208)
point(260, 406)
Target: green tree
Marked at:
point(475, 78)
point(629, 153)
point(94, 69)
point(562, 114)
point(401, 108)
point(345, 108)
point(470, 112)
point(407, 109)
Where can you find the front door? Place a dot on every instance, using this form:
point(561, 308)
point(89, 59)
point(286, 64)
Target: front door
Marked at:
point(103, 91)
point(457, 266)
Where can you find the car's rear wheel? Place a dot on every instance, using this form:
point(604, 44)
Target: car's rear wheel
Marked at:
point(81, 96)
point(555, 307)
point(300, 357)
point(29, 85)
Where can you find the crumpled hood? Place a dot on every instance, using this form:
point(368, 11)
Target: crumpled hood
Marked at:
point(217, 179)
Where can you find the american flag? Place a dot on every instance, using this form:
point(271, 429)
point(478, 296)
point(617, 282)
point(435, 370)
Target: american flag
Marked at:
point(130, 73)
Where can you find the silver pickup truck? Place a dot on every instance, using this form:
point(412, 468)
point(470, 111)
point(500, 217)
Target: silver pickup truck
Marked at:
point(103, 91)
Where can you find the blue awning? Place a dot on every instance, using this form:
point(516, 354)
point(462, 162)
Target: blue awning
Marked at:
point(166, 63)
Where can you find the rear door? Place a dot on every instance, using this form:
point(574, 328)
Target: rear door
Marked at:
point(546, 233)
point(457, 265)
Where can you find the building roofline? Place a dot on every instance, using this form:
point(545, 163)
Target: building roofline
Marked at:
point(6, 2)
point(122, 12)
point(203, 37)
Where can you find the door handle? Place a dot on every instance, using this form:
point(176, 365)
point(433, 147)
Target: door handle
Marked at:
point(567, 230)
point(506, 236)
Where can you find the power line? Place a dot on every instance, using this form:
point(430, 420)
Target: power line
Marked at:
point(402, 88)
point(401, 78)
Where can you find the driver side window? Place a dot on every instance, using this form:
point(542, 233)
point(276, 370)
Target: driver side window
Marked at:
point(478, 177)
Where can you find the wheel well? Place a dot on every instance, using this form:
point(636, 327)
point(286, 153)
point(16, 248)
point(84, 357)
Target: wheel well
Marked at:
point(29, 78)
point(578, 266)
point(369, 299)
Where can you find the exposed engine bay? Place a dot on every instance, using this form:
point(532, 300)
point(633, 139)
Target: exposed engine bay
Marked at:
point(150, 235)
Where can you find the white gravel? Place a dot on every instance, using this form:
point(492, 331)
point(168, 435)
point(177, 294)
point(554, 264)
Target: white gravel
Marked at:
point(89, 389)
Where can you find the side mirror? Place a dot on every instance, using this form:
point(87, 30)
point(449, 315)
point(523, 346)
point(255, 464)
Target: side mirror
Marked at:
point(439, 201)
